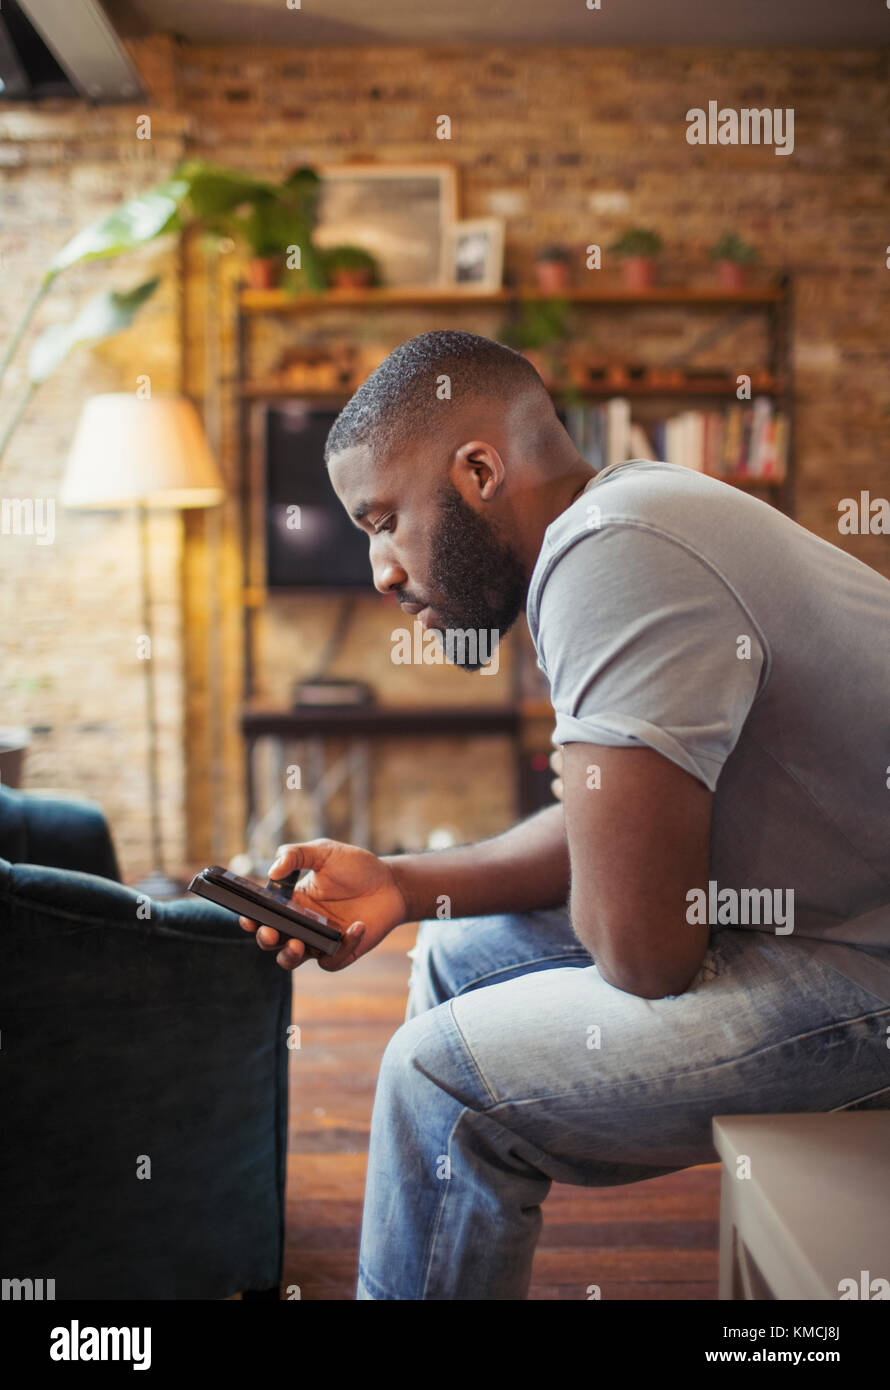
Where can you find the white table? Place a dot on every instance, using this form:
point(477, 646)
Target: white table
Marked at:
point(815, 1209)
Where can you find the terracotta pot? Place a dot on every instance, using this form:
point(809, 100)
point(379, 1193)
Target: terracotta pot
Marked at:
point(552, 276)
point(617, 376)
point(262, 273)
point(639, 272)
point(580, 368)
point(347, 278)
point(732, 275)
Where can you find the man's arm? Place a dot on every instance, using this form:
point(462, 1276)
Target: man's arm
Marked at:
point(524, 868)
point(637, 841)
point(638, 832)
point(366, 897)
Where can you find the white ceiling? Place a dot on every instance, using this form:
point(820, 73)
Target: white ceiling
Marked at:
point(821, 23)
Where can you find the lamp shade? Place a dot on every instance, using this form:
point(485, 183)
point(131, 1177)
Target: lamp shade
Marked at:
point(153, 452)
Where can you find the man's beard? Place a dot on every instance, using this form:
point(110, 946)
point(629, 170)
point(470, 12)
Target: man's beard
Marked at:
point(480, 577)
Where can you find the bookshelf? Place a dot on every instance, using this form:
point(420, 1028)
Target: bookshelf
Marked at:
point(773, 302)
point(260, 390)
point(258, 302)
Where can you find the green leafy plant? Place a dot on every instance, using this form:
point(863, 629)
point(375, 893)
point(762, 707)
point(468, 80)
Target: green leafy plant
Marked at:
point(107, 314)
point(538, 324)
point(133, 223)
point(199, 192)
point(732, 248)
point(260, 228)
point(638, 241)
point(347, 257)
point(101, 317)
point(274, 217)
point(212, 191)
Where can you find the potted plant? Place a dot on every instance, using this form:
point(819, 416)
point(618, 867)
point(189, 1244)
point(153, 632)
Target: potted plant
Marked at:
point(274, 223)
point(274, 218)
point(349, 268)
point(552, 269)
point(734, 257)
point(539, 331)
point(638, 248)
point(198, 193)
point(264, 266)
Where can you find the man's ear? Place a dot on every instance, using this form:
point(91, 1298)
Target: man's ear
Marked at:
point(478, 471)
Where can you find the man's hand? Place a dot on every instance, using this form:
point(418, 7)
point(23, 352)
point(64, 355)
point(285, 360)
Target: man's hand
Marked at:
point(354, 889)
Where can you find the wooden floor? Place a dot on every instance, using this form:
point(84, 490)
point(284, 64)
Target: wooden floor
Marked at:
point(651, 1240)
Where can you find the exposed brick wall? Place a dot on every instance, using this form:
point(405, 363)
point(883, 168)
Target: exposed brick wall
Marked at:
point(579, 144)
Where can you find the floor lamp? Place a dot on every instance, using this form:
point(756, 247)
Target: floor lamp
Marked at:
point(143, 453)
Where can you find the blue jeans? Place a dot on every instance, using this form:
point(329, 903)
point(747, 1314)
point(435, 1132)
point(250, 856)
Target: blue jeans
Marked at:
point(518, 1066)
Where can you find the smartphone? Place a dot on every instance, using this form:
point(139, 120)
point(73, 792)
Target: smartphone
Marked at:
point(268, 905)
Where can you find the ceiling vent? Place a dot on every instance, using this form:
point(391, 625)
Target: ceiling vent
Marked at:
point(63, 48)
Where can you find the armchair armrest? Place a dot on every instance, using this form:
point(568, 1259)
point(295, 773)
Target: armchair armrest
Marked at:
point(145, 1056)
point(66, 832)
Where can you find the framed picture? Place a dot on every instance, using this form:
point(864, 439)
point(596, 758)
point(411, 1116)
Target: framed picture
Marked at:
point(400, 213)
point(476, 253)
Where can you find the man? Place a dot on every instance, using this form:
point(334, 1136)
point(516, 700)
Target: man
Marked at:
point(720, 681)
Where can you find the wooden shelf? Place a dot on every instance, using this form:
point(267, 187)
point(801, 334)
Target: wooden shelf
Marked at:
point(269, 391)
point(257, 302)
point(540, 708)
point(523, 719)
point(382, 720)
point(259, 390)
point(721, 389)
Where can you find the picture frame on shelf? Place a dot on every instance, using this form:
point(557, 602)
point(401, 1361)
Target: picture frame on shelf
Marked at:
point(475, 253)
point(400, 213)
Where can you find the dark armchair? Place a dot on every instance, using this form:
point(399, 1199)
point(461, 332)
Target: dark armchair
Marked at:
point(143, 1077)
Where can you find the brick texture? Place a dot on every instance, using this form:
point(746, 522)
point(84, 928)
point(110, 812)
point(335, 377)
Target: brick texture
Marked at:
point(578, 144)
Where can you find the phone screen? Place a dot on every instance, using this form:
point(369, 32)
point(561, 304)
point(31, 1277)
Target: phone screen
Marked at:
point(251, 891)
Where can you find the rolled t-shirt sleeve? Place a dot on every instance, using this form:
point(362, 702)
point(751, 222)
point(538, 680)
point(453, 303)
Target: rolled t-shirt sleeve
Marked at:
point(645, 645)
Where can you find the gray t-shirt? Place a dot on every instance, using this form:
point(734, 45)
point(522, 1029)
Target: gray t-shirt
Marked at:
point(673, 611)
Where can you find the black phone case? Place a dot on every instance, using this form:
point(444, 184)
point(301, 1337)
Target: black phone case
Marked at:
point(267, 914)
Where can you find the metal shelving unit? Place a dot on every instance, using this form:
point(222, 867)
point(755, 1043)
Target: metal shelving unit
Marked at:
point(774, 301)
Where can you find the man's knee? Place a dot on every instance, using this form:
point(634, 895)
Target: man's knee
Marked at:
point(417, 1055)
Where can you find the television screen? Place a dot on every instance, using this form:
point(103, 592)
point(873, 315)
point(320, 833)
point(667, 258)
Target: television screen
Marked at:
point(310, 541)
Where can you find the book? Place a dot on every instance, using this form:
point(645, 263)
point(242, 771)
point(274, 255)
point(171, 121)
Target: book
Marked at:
point(617, 430)
point(761, 415)
point(742, 440)
point(732, 440)
point(640, 448)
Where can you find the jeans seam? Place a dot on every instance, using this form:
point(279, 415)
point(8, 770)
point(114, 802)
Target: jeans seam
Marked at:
point(469, 1051)
point(440, 1209)
point(372, 1284)
point(521, 965)
point(881, 1091)
point(670, 1076)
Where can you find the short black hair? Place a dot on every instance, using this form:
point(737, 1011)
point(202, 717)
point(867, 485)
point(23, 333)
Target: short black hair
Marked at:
point(397, 402)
